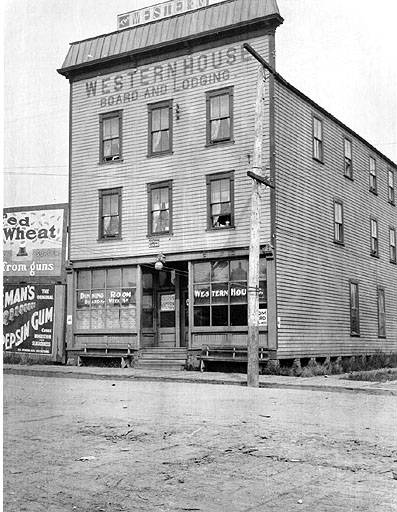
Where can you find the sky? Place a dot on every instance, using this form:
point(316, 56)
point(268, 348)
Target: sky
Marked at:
point(340, 53)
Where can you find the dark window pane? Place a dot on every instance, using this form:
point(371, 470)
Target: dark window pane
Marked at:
point(262, 268)
point(263, 292)
point(238, 270)
point(98, 279)
point(238, 314)
point(129, 276)
point(201, 294)
point(147, 319)
point(113, 278)
point(220, 270)
point(219, 315)
point(147, 281)
point(238, 292)
point(220, 293)
point(83, 279)
point(202, 272)
point(201, 316)
point(167, 319)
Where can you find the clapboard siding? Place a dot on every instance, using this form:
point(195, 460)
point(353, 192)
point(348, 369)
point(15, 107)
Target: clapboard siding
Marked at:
point(313, 273)
point(190, 162)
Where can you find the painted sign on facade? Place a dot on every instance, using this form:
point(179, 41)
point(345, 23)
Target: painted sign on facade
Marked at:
point(28, 318)
point(34, 242)
point(160, 11)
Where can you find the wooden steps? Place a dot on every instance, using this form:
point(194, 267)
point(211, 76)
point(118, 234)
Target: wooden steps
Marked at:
point(157, 358)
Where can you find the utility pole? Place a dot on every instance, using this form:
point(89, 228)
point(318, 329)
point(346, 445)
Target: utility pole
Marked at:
point(258, 179)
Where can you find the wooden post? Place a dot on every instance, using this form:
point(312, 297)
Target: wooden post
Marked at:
point(253, 272)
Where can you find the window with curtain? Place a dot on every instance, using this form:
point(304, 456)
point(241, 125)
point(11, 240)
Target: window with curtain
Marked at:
point(160, 208)
point(220, 200)
point(160, 128)
point(219, 115)
point(110, 213)
point(110, 136)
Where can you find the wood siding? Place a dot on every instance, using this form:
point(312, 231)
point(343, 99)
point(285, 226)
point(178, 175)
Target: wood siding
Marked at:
point(313, 272)
point(188, 166)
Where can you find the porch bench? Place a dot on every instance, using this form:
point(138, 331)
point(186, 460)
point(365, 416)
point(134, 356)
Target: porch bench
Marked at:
point(102, 350)
point(233, 354)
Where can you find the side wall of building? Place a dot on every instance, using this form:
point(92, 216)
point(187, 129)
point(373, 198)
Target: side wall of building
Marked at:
point(313, 272)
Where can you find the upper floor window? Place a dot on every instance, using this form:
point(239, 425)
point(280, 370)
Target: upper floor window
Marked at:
point(110, 213)
point(160, 128)
point(381, 313)
point(391, 191)
point(338, 222)
point(354, 309)
point(318, 150)
point(373, 185)
point(220, 116)
point(220, 200)
point(392, 244)
point(374, 238)
point(160, 208)
point(348, 159)
point(110, 136)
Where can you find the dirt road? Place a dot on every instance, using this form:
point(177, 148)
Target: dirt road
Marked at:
point(91, 445)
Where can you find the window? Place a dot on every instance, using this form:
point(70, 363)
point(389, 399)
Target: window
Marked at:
point(393, 250)
point(348, 159)
point(373, 187)
point(105, 299)
point(220, 200)
point(160, 128)
point(220, 292)
point(318, 152)
point(338, 222)
point(160, 208)
point(391, 192)
point(354, 309)
point(110, 213)
point(110, 136)
point(374, 238)
point(220, 116)
point(381, 313)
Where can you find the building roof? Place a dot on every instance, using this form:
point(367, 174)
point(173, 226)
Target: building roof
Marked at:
point(188, 26)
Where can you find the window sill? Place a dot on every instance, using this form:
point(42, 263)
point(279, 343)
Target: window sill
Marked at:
point(111, 162)
point(354, 335)
point(393, 262)
point(392, 203)
point(110, 239)
point(157, 155)
point(106, 330)
point(373, 191)
point(381, 337)
point(219, 143)
point(160, 235)
point(226, 228)
point(336, 242)
point(374, 255)
point(350, 178)
point(318, 160)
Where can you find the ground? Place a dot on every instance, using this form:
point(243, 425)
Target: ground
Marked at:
point(92, 445)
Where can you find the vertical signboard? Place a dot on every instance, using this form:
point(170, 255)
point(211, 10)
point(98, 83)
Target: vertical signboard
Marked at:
point(34, 243)
point(28, 318)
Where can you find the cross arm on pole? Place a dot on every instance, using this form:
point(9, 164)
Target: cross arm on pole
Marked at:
point(264, 180)
point(259, 58)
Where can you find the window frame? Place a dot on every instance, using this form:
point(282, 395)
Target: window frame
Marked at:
point(216, 177)
point(392, 248)
point(391, 189)
point(315, 139)
point(341, 224)
point(349, 174)
point(108, 115)
point(373, 175)
point(101, 194)
point(154, 106)
point(211, 94)
point(381, 314)
point(374, 240)
point(356, 316)
point(150, 188)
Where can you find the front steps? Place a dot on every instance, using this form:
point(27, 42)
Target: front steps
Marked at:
point(156, 358)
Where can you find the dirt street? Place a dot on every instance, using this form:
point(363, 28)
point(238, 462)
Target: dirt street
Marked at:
point(92, 445)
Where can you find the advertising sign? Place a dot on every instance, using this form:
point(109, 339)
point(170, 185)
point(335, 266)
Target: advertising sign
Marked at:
point(28, 318)
point(160, 11)
point(34, 242)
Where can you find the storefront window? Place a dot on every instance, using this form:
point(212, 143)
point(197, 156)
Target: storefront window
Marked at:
point(220, 292)
point(106, 299)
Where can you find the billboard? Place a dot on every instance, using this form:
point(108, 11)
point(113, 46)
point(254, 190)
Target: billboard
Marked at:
point(34, 242)
point(28, 318)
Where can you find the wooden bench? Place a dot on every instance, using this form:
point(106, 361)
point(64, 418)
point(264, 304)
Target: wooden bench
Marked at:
point(101, 350)
point(229, 354)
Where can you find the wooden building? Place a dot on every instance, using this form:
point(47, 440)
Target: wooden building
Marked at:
point(161, 138)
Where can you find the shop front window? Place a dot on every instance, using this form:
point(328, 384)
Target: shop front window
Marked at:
point(106, 299)
point(220, 292)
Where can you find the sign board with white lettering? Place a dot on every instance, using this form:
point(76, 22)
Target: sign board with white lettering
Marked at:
point(160, 11)
point(34, 242)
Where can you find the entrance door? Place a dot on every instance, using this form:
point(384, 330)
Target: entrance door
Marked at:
point(166, 309)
